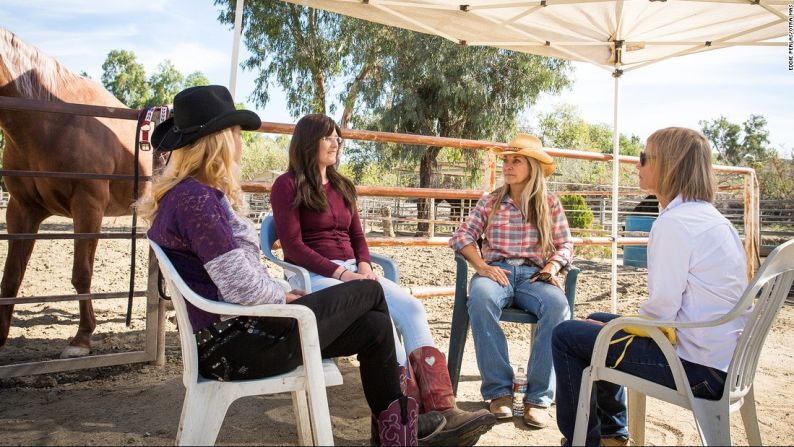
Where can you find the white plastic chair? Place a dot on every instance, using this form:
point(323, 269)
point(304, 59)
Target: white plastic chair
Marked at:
point(765, 294)
point(268, 236)
point(206, 401)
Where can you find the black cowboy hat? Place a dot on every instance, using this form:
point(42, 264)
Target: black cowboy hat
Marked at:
point(200, 111)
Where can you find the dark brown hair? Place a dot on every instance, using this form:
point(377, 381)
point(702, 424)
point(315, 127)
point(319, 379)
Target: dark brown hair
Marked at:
point(303, 162)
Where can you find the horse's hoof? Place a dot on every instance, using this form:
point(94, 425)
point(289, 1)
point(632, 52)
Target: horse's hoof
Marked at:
point(74, 351)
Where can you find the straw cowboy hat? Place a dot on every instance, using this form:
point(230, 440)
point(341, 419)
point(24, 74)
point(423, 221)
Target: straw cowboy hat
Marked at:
point(528, 146)
point(201, 111)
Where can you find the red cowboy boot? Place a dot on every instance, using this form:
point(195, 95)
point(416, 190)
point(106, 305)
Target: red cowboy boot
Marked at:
point(408, 385)
point(435, 387)
point(397, 423)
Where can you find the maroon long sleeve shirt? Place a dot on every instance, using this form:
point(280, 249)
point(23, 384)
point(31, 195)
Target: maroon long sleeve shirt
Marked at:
point(312, 239)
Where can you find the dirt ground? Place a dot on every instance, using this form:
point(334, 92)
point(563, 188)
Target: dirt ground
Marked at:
point(140, 404)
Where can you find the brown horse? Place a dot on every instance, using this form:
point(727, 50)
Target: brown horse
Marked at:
point(59, 142)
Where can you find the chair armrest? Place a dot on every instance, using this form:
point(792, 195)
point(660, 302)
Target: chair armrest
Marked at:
point(391, 270)
point(571, 276)
point(301, 278)
point(601, 346)
point(295, 311)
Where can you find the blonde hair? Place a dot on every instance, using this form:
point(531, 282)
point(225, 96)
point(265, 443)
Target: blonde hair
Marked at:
point(210, 161)
point(534, 205)
point(682, 158)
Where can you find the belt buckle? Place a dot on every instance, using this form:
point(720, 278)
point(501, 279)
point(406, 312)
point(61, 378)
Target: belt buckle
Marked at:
point(515, 262)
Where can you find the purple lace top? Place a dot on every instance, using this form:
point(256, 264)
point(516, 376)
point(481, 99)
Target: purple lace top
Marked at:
point(214, 250)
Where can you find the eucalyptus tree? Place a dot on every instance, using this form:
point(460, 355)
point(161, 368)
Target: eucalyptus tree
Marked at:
point(435, 87)
point(390, 79)
point(738, 144)
point(306, 52)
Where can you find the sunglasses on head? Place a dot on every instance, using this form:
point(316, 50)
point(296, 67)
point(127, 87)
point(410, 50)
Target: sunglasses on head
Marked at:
point(644, 158)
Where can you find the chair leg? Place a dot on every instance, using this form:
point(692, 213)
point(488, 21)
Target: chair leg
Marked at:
point(750, 419)
point(637, 416)
point(457, 341)
point(713, 420)
point(302, 418)
point(583, 408)
point(317, 398)
point(202, 416)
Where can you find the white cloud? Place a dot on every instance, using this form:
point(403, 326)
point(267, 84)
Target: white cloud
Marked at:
point(188, 57)
point(72, 8)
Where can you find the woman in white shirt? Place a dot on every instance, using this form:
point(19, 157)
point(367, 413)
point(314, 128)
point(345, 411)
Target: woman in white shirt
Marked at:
point(696, 272)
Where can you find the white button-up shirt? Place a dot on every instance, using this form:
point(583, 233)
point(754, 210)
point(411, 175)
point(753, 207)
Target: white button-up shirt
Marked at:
point(696, 272)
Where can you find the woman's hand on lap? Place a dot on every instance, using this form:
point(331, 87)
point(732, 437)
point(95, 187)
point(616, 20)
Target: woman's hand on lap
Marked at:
point(497, 274)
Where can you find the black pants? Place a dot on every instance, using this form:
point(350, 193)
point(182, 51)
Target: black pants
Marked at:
point(352, 318)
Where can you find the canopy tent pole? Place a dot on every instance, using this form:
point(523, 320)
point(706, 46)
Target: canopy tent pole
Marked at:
point(238, 27)
point(615, 178)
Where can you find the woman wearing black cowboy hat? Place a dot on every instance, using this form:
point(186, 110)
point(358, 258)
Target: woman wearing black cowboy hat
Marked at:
point(197, 217)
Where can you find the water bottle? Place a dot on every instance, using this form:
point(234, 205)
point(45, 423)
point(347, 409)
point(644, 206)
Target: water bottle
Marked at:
point(519, 391)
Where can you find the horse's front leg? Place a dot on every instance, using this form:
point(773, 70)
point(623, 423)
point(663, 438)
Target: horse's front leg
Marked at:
point(87, 219)
point(20, 218)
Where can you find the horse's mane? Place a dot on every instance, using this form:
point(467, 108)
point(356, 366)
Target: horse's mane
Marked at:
point(33, 73)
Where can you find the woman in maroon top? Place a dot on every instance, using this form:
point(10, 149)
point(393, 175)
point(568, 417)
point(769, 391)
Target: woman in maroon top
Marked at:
point(317, 221)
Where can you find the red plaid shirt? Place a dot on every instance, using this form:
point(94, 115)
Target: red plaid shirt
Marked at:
point(510, 236)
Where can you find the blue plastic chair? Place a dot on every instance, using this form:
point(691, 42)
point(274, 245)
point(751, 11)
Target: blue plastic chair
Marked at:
point(460, 314)
point(268, 236)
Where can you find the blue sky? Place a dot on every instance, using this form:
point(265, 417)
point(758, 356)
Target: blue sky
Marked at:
point(734, 82)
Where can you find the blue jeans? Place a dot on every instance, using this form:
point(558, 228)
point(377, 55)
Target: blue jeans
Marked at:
point(407, 312)
point(486, 301)
point(573, 343)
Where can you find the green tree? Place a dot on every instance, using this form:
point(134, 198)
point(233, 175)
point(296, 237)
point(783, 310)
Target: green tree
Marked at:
point(123, 76)
point(565, 128)
point(390, 79)
point(164, 84)
point(435, 87)
point(738, 144)
point(261, 154)
point(196, 79)
point(309, 52)
point(577, 212)
point(301, 49)
point(774, 176)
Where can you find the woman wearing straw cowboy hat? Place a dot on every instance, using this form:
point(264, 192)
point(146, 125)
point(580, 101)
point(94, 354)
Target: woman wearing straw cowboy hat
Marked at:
point(525, 243)
point(197, 217)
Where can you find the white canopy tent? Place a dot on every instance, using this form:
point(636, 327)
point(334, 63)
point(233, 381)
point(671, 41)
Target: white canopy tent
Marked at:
point(617, 35)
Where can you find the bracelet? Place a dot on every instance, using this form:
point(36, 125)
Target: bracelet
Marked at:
point(342, 274)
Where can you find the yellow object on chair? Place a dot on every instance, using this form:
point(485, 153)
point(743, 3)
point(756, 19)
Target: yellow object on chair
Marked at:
point(639, 331)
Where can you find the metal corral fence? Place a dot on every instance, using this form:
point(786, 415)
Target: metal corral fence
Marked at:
point(154, 342)
point(259, 205)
